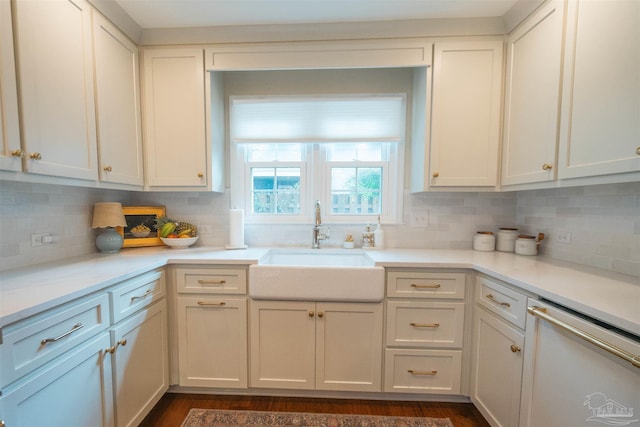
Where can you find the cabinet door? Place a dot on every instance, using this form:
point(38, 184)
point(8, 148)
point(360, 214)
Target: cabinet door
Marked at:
point(600, 121)
point(175, 118)
point(349, 347)
point(56, 87)
point(532, 99)
point(496, 369)
point(283, 344)
point(10, 153)
point(140, 363)
point(467, 85)
point(118, 104)
point(212, 341)
point(74, 391)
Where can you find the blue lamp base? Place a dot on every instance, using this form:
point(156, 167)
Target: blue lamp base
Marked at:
point(109, 241)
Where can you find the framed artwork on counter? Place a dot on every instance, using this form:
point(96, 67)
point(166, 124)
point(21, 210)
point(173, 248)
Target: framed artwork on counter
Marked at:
point(140, 230)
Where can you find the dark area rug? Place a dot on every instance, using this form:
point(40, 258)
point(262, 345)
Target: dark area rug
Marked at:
point(219, 418)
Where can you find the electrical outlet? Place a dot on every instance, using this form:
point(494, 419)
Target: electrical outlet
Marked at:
point(563, 237)
point(420, 218)
point(39, 239)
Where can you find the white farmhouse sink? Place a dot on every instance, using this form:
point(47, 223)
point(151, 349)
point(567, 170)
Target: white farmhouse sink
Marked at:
point(316, 275)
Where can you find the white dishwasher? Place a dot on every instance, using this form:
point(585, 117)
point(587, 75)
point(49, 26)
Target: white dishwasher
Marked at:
point(577, 371)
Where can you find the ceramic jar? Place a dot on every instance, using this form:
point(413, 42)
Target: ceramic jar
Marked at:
point(526, 245)
point(506, 239)
point(484, 241)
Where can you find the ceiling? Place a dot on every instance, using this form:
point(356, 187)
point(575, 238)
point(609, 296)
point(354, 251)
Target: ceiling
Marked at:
point(213, 13)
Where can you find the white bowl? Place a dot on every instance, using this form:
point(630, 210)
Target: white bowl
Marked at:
point(179, 243)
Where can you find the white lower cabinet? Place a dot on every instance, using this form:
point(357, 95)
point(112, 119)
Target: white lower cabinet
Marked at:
point(140, 363)
point(99, 361)
point(211, 312)
point(321, 346)
point(497, 376)
point(212, 342)
point(497, 354)
point(74, 391)
point(424, 331)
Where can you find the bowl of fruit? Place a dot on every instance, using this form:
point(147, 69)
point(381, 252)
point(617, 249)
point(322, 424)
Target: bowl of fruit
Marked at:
point(176, 234)
point(140, 230)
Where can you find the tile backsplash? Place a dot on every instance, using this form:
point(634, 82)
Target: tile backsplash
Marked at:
point(603, 221)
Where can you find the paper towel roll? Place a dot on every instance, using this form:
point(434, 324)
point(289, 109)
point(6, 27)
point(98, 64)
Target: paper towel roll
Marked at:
point(236, 228)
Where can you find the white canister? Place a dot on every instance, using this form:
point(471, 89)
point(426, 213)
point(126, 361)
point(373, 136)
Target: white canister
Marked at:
point(526, 245)
point(506, 239)
point(484, 241)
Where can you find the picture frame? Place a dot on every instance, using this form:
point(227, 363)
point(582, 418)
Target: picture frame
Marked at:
point(136, 215)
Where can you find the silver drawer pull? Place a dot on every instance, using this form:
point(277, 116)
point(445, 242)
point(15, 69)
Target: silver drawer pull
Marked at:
point(412, 372)
point(75, 328)
point(490, 297)
point(425, 325)
point(218, 304)
point(212, 282)
point(146, 294)
point(416, 286)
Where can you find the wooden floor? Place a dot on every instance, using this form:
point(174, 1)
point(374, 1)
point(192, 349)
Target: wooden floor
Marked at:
point(173, 408)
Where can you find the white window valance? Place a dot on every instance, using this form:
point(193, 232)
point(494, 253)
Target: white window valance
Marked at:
point(366, 118)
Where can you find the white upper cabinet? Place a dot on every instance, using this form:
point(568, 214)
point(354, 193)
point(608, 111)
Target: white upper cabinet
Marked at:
point(10, 152)
point(175, 118)
point(55, 72)
point(118, 105)
point(465, 133)
point(532, 97)
point(600, 120)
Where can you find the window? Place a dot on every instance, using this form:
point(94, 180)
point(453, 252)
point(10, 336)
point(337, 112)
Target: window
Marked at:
point(344, 151)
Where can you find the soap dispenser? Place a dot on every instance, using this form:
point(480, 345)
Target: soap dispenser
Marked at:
point(368, 237)
point(378, 235)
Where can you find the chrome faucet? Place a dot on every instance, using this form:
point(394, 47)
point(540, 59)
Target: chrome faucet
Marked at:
point(317, 235)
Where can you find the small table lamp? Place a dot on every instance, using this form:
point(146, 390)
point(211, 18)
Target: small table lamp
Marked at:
point(108, 215)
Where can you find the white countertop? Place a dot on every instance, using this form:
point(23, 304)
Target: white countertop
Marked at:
point(610, 297)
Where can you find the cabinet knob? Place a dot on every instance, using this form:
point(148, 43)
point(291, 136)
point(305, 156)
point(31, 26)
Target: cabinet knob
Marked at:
point(515, 348)
point(200, 175)
point(638, 151)
point(107, 169)
point(113, 349)
point(35, 156)
point(320, 314)
point(311, 314)
point(547, 166)
point(436, 174)
point(16, 153)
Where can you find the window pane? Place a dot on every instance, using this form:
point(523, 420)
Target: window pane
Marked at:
point(274, 152)
point(275, 190)
point(356, 190)
point(347, 152)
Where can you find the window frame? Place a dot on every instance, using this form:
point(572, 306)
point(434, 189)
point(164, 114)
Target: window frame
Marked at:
point(315, 184)
point(315, 181)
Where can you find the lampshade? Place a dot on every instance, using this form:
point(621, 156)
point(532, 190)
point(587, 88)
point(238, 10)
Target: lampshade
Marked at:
point(108, 215)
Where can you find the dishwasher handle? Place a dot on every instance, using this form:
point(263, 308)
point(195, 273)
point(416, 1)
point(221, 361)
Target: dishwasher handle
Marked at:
point(617, 351)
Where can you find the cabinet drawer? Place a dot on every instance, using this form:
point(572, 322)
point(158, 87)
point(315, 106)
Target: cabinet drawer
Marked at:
point(423, 371)
point(421, 324)
point(506, 303)
point(212, 280)
point(135, 294)
point(32, 342)
point(423, 284)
